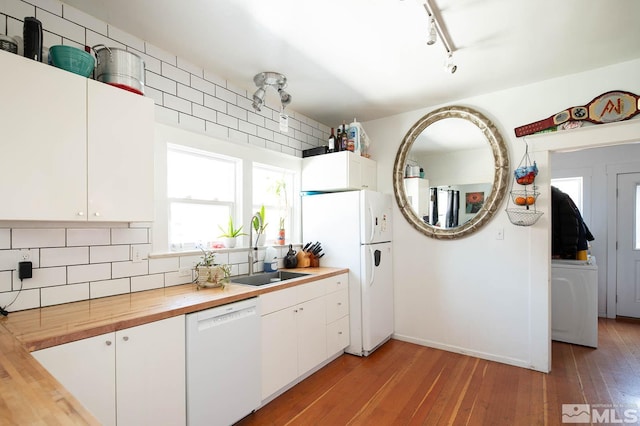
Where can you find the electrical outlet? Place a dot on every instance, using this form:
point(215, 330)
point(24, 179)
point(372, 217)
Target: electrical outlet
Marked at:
point(136, 254)
point(25, 255)
point(184, 272)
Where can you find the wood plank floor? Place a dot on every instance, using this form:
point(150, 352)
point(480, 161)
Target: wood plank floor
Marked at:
point(406, 384)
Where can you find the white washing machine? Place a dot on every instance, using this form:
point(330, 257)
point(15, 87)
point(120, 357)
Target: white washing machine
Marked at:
point(574, 302)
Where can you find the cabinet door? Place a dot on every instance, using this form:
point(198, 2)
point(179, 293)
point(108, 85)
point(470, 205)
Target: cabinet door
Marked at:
point(87, 369)
point(43, 162)
point(120, 154)
point(150, 373)
point(369, 175)
point(329, 172)
point(312, 334)
point(279, 350)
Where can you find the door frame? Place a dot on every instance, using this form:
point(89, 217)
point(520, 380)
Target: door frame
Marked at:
point(612, 172)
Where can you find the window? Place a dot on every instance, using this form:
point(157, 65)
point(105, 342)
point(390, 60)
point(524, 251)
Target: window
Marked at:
point(202, 192)
point(572, 186)
point(273, 187)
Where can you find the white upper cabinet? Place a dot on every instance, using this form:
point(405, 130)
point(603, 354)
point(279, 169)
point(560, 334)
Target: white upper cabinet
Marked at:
point(120, 154)
point(338, 171)
point(43, 165)
point(73, 149)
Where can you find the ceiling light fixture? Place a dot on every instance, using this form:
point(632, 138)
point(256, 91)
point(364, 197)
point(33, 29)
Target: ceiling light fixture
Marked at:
point(258, 98)
point(436, 27)
point(449, 66)
point(270, 79)
point(432, 33)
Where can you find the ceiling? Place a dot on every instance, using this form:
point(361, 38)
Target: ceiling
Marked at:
point(369, 58)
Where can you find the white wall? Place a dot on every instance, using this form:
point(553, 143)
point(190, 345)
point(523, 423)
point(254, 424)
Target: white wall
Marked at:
point(479, 295)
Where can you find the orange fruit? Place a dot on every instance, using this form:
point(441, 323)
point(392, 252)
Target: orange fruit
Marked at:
point(520, 201)
point(531, 200)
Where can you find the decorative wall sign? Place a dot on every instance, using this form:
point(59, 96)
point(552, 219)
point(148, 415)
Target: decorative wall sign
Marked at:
point(606, 108)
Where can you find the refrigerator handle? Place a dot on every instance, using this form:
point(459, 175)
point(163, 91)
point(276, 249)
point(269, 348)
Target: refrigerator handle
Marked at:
point(372, 224)
point(372, 266)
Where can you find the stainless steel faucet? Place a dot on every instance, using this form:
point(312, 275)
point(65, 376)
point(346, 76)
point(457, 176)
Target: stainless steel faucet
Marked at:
point(253, 249)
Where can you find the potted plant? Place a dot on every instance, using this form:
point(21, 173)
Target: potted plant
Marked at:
point(209, 273)
point(281, 232)
point(260, 230)
point(230, 234)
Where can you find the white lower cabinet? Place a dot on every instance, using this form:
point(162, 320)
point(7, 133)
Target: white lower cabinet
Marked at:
point(134, 376)
point(296, 333)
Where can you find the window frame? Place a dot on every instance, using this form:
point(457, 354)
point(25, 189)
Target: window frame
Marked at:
point(247, 154)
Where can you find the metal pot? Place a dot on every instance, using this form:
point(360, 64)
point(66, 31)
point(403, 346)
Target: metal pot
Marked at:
point(119, 68)
point(8, 44)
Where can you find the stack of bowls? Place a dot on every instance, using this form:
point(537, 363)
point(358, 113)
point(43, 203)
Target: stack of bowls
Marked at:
point(72, 59)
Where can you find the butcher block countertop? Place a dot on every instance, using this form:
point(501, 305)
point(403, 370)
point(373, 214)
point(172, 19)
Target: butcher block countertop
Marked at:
point(30, 395)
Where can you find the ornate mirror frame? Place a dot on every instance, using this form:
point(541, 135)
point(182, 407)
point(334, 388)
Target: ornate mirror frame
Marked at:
point(500, 180)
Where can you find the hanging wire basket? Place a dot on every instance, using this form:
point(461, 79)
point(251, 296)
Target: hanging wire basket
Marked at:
point(525, 214)
point(523, 217)
point(524, 198)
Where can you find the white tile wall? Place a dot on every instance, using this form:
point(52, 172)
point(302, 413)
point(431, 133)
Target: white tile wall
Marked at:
point(129, 269)
point(5, 281)
point(64, 256)
point(86, 273)
point(88, 237)
point(80, 263)
point(103, 254)
point(147, 282)
point(26, 238)
point(64, 294)
point(5, 238)
point(109, 287)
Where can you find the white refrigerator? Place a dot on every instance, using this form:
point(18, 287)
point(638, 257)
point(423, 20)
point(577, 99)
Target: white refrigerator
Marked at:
point(354, 228)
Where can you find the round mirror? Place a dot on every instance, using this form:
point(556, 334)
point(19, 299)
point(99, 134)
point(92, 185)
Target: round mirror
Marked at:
point(451, 172)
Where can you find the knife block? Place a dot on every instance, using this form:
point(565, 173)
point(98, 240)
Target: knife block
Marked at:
point(314, 261)
point(304, 260)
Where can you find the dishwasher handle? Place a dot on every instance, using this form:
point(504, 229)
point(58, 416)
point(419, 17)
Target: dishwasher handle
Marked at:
point(225, 309)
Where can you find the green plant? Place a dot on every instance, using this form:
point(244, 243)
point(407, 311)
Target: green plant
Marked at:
point(208, 258)
point(256, 227)
point(231, 231)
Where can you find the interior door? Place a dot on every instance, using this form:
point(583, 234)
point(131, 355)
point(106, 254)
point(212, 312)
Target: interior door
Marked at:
point(628, 245)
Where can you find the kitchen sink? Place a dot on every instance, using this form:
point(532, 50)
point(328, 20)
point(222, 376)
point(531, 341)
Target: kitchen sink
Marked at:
point(267, 278)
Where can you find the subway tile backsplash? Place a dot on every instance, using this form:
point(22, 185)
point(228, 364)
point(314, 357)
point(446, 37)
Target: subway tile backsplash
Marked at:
point(185, 94)
point(73, 264)
point(78, 263)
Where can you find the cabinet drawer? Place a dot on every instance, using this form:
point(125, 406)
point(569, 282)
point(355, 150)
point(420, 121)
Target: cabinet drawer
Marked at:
point(337, 336)
point(310, 291)
point(278, 300)
point(337, 283)
point(337, 305)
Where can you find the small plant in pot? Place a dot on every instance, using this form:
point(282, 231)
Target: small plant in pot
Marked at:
point(230, 234)
point(209, 273)
point(260, 230)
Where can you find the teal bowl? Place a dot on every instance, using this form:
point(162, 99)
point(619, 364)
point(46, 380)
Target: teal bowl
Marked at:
point(72, 59)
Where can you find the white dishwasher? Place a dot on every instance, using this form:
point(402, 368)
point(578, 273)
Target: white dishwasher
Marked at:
point(223, 363)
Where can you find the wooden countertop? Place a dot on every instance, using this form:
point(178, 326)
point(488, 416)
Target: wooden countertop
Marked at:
point(30, 395)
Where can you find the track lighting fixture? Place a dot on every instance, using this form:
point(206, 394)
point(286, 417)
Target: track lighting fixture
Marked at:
point(432, 33)
point(437, 30)
point(258, 98)
point(449, 66)
point(270, 79)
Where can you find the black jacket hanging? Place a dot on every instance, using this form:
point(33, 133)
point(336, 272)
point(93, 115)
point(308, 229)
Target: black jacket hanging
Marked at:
point(569, 233)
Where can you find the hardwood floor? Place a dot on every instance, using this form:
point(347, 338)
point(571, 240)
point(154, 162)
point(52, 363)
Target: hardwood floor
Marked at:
point(406, 384)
